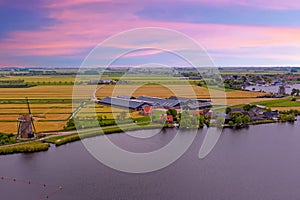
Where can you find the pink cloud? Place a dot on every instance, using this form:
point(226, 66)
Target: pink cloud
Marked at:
point(78, 29)
point(261, 4)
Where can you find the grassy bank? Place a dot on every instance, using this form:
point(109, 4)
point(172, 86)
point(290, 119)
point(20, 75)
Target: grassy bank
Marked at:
point(60, 140)
point(24, 148)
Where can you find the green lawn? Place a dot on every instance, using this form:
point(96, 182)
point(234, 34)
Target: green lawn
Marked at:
point(284, 102)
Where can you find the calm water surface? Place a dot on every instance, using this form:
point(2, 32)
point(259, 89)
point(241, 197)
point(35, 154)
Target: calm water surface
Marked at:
point(261, 162)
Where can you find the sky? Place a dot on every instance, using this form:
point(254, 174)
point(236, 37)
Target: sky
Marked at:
point(233, 32)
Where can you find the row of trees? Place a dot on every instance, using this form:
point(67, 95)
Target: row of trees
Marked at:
point(239, 119)
point(287, 117)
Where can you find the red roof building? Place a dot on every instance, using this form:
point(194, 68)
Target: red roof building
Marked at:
point(147, 110)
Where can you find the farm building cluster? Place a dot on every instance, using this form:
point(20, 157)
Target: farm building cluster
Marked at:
point(145, 104)
point(255, 113)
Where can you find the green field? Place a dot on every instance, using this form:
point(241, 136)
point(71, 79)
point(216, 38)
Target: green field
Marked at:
point(284, 102)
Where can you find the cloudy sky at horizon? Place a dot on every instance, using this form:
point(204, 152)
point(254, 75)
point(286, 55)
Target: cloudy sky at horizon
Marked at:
point(234, 33)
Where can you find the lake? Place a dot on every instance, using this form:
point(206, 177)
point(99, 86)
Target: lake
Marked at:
point(259, 162)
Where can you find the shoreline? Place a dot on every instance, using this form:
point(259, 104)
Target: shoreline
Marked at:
point(43, 144)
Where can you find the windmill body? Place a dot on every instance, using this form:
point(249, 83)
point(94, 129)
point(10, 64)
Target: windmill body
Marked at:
point(26, 127)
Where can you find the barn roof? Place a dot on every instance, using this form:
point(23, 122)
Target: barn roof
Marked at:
point(125, 103)
point(160, 101)
point(128, 102)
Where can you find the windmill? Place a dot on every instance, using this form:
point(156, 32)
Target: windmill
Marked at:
point(26, 127)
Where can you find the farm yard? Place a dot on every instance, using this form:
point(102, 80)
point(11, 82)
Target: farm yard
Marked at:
point(51, 105)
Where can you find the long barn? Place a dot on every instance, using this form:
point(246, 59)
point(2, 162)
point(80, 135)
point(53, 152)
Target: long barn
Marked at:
point(156, 102)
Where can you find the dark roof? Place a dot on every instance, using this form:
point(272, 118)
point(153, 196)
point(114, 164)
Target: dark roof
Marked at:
point(181, 99)
point(124, 103)
point(125, 97)
point(151, 99)
point(237, 110)
point(160, 101)
point(129, 102)
point(271, 114)
point(196, 105)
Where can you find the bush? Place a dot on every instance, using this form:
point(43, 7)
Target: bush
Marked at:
point(6, 138)
point(24, 148)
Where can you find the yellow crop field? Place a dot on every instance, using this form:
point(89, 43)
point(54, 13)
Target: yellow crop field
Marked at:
point(99, 109)
point(39, 111)
point(11, 127)
point(108, 115)
point(233, 97)
point(9, 117)
point(49, 126)
point(152, 90)
point(52, 117)
point(43, 92)
point(32, 106)
point(285, 108)
point(8, 127)
point(231, 102)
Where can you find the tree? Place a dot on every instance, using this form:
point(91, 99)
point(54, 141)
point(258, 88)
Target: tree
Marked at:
point(201, 120)
point(230, 123)
point(239, 120)
point(185, 120)
point(228, 110)
point(172, 112)
point(247, 107)
point(234, 116)
point(246, 119)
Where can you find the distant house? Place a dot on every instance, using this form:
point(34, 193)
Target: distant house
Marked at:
point(101, 82)
point(261, 107)
point(256, 113)
point(147, 110)
point(272, 115)
point(237, 110)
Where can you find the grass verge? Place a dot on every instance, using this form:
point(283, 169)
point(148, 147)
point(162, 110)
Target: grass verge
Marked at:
point(60, 140)
point(24, 148)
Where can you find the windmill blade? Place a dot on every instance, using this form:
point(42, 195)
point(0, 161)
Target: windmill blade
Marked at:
point(18, 133)
point(34, 130)
point(28, 105)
